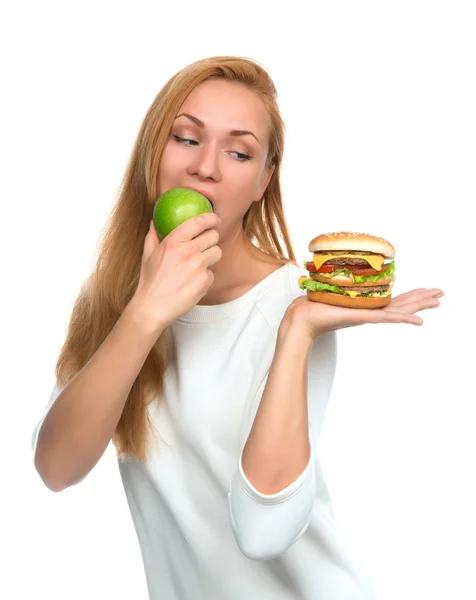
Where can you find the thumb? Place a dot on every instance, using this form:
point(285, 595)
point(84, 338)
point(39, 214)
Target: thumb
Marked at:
point(151, 242)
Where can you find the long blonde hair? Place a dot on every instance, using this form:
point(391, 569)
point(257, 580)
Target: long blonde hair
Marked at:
point(113, 281)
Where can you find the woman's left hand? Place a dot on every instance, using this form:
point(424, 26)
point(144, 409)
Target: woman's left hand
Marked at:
point(316, 318)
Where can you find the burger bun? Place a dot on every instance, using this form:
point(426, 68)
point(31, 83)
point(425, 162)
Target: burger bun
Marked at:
point(351, 242)
point(347, 301)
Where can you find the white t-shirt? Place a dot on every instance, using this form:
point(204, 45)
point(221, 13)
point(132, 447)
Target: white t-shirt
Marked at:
point(204, 531)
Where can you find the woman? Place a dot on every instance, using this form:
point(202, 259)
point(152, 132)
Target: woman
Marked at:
point(203, 361)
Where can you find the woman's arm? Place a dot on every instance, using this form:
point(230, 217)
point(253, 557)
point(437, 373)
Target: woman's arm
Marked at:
point(266, 524)
point(278, 478)
point(277, 450)
point(80, 423)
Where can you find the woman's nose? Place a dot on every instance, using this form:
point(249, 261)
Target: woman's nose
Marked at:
point(205, 163)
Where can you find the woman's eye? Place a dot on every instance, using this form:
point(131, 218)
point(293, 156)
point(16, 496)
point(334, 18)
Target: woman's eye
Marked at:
point(185, 141)
point(240, 156)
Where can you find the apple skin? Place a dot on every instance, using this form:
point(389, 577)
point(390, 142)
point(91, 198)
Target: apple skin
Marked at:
point(177, 205)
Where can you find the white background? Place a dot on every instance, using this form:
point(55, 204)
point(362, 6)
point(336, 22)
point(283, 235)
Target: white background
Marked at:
point(379, 100)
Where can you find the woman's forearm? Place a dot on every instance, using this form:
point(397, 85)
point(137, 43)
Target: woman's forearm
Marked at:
point(278, 450)
point(80, 424)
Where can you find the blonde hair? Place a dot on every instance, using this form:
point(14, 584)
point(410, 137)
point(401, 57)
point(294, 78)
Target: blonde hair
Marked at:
point(113, 281)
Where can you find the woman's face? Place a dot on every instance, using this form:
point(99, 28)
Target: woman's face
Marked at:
point(219, 146)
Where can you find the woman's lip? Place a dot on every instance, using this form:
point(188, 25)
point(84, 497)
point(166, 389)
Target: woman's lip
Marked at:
point(202, 192)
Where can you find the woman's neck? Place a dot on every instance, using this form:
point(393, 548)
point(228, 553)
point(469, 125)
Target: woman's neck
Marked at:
point(241, 266)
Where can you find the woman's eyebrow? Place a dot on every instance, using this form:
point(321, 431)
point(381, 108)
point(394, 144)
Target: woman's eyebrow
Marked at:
point(201, 124)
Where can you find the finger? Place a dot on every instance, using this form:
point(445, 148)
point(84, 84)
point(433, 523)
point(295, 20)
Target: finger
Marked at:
point(435, 292)
point(189, 229)
point(151, 242)
point(394, 316)
point(420, 304)
point(404, 318)
point(415, 296)
point(408, 294)
point(205, 240)
point(373, 316)
point(211, 256)
point(427, 299)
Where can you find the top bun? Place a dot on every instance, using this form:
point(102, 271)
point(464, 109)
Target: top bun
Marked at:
point(353, 241)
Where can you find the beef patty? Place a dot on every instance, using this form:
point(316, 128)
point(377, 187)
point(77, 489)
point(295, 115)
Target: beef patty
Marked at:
point(347, 261)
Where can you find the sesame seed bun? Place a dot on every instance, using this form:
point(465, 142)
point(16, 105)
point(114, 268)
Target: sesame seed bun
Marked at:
point(352, 241)
point(347, 301)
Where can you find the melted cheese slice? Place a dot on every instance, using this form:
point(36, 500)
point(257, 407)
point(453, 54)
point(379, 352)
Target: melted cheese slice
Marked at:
point(352, 293)
point(374, 260)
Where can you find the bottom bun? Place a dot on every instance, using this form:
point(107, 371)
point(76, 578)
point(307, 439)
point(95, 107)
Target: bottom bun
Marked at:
point(347, 301)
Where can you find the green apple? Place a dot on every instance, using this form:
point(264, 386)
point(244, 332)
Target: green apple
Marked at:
point(176, 206)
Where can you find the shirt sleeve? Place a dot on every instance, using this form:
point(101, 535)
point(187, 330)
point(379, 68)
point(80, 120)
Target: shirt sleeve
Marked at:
point(265, 526)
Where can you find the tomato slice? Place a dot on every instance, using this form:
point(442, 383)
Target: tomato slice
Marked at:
point(356, 269)
point(324, 269)
point(369, 271)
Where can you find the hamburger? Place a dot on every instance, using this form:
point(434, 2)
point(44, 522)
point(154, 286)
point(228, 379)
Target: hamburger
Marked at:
point(351, 269)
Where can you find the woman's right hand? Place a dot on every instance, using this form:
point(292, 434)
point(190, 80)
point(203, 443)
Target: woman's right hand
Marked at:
point(175, 272)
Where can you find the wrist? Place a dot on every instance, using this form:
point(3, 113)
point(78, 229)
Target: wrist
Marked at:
point(137, 317)
point(294, 335)
point(292, 329)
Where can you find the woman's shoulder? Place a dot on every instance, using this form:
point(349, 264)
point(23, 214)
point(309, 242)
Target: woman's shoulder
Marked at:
point(291, 272)
point(280, 292)
point(295, 271)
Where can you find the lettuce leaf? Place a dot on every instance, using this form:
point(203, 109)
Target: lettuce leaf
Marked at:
point(390, 272)
point(317, 286)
